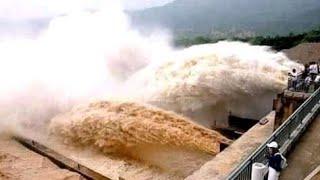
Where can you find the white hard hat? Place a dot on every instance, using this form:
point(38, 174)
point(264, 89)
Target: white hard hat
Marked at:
point(273, 145)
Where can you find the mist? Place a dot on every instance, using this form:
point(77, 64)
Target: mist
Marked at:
point(208, 82)
point(81, 56)
point(85, 55)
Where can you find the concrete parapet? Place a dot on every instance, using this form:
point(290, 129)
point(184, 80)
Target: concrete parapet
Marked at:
point(226, 161)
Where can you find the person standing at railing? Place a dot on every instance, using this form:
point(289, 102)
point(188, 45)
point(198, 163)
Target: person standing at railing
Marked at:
point(317, 82)
point(274, 161)
point(313, 70)
point(305, 72)
point(307, 83)
point(293, 78)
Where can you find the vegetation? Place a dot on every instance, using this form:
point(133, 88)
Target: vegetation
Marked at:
point(228, 18)
point(277, 42)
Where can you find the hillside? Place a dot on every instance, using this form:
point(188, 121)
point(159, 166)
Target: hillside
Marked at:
point(304, 53)
point(221, 18)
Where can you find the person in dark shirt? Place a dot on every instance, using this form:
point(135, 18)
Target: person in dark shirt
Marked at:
point(305, 72)
point(274, 161)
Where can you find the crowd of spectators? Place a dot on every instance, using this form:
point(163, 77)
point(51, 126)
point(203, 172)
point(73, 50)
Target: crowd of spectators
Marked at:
point(306, 81)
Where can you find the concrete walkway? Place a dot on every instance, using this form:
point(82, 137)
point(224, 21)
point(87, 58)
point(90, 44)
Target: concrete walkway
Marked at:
point(317, 177)
point(306, 155)
point(18, 162)
point(226, 161)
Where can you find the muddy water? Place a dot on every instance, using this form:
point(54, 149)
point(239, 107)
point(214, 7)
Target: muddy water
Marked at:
point(144, 133)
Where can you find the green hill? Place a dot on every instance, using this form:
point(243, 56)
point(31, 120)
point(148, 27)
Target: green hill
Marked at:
point(223, 18)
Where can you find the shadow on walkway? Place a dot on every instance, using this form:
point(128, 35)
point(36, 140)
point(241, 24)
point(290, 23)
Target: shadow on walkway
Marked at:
point(305, 157)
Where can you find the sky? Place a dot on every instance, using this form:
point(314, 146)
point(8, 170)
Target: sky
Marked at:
point(27, 18)
point(139, 4)
point(32, 9)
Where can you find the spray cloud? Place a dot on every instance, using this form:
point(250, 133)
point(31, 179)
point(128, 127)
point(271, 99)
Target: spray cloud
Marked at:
point(83, 55)
point(207, 82)
point(88, 54)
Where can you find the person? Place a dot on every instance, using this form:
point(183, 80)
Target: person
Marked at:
point(305, 72)
point(274, 161)
point(317, 82)
point(307, 83)
point(293, 78)
point(313, 70)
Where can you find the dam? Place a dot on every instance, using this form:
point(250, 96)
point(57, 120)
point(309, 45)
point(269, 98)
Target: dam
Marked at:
point(198, 115)
point(233, 162)
point(100, 100)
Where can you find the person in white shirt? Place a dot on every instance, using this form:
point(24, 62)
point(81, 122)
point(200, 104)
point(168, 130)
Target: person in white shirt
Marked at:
point(313, 70)
point(293, 78)
point(307, 83)
point(317, 82)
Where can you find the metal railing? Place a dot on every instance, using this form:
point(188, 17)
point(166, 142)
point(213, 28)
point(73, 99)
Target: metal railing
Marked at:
point(286, 135)
point(302, 85)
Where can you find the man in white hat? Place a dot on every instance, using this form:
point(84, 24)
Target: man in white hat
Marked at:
point(274, 158)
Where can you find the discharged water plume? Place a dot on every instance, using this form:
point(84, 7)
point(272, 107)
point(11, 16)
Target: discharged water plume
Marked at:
point(115, 127)
point(139, 131)
point(207, 82)
point(96, 55)
point(81, 56)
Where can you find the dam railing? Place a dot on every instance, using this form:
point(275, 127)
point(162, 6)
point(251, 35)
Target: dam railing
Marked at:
point(286, 136)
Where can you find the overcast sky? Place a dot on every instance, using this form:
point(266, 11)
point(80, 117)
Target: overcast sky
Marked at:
point(32, 9)
point(138, 4)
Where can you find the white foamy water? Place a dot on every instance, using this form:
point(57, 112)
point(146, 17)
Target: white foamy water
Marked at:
point(89, 55)
point(82, 56)
point(207, 82)
point(96, 55)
